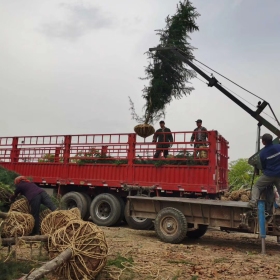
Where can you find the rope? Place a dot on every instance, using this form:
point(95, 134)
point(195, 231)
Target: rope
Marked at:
point(89, 249)
point(17, 223)
point(58, 219)
point(21, 206)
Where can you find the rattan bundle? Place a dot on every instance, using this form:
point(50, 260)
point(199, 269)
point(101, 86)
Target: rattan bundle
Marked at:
point(89, 249)
point(144, 130)
point(58, 219)
point(17, 224)
point(21, 206)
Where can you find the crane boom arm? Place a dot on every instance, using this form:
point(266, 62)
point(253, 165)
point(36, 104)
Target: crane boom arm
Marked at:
point(214, 82)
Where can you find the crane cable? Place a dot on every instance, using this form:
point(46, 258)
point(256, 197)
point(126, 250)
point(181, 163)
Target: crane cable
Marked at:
point(235, 84)
point(200, 67)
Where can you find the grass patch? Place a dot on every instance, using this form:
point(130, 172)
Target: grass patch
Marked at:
point(119, 260)
point(220, 260)
point(11, 270)
point(180, 261)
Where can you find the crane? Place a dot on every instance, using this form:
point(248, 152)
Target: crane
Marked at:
point(213, 82)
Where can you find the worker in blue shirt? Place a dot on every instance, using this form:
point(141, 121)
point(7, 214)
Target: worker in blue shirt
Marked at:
point(270, 160)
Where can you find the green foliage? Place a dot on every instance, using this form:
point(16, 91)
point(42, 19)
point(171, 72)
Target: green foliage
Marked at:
point(7, 177)
point(11, 270)
point(168, 74)
point(6, 187)
point(57, 201)
point(94, 156)
point(47, 158)
point(119, 261)
point(182, 158)
point(240, 173)
point(5, 192)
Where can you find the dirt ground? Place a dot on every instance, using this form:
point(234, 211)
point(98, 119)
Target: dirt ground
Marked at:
point(217, 255)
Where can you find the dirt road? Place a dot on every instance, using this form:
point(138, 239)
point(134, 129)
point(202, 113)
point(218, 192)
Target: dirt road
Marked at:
point(217, 255)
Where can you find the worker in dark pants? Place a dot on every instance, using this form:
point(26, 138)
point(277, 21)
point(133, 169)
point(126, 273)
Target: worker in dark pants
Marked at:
point(35, 196)
point(199, 134)
point(161, 137)
point(270, 160)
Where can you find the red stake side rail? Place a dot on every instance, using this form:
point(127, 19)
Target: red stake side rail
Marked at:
point(115, 160)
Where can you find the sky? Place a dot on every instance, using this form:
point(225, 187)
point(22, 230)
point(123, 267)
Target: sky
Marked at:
point(68, 67)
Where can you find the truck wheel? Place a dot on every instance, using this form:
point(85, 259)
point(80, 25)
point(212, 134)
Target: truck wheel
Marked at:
point(137, 223)
point(105, 210)
point(88, 200)
point(171, 225)
point(75, 199)
point(121, 218)
point(197, 233)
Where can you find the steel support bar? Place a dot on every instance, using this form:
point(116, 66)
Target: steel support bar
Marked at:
point(261, 216)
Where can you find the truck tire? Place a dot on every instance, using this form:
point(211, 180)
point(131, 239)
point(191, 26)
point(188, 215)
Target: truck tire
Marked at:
point(171, 225)
point(137, 223)
point(121, 218)
point(197, 233)
point(105, 210)
point(88, 200)
point(75, 199)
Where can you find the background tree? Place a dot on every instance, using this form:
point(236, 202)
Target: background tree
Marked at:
point(240, 173)
point(168, 74)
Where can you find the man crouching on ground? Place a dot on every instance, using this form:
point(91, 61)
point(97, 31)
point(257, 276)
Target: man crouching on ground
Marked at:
point(35, 196)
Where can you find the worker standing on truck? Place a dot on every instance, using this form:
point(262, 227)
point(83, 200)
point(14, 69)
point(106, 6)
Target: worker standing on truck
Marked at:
point(160, 137)
point(270, 161)
point(35, 196)
point(199, 134)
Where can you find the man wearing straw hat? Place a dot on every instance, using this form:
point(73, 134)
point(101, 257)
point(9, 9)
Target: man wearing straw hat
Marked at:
point(35, 196)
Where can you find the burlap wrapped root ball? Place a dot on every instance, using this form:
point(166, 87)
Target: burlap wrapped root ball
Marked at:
point(21, 205)
point(144, 130)
point(58, 219)
point(89, 249)
point(17, 224)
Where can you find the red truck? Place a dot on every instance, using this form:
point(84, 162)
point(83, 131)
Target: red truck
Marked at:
point(96, 172)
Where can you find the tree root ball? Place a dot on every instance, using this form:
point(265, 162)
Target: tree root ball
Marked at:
point(144, 130)
point(89, 247)
point(58, 219)
point(235, 195)
point(21, 206)
point(244, 198)
point(17, 224)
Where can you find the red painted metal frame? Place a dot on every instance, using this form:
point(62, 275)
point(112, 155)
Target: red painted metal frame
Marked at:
point(123, 164)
